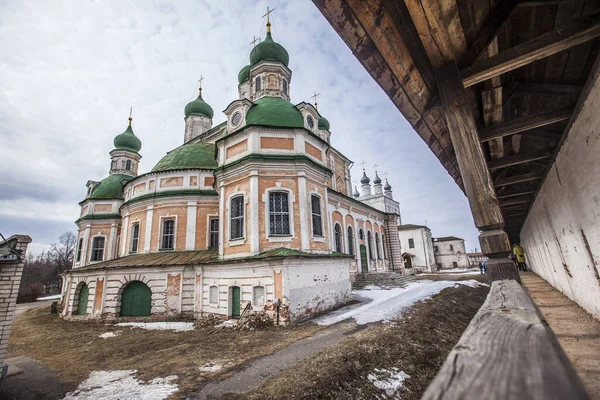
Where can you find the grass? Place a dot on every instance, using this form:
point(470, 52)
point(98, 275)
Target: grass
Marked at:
point(74, 349)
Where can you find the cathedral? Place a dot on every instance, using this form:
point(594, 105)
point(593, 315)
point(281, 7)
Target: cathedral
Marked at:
point(257, 213)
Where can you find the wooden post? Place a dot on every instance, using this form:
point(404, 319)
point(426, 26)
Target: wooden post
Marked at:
point(475, 174)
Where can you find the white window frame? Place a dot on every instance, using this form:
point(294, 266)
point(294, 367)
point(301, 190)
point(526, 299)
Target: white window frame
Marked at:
point(210, 301)
point(291, 201)
point(317, 238)
point(92, 248)
point(341, 238)
point(240, 240)
point(208, 218)
point(351, 241)
point(161, 220)
point(264, 295)
point(79, 252)
point(137, 248)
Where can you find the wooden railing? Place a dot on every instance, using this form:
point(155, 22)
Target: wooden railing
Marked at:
point(507, 352)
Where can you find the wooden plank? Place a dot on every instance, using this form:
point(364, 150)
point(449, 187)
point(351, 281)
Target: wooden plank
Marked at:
point(507, 352)
point(516, 160)
point(549, 89)
point(525, 199)
point(549, 43)
point(516, 193)
point(542, 134)
point(512, 180)
point(524, 124)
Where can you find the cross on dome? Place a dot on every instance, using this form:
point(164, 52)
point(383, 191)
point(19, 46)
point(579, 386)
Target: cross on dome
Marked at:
point(253, 42)
point(363, 163)
point(314, 96)
point(130, 112)
point(268, 18)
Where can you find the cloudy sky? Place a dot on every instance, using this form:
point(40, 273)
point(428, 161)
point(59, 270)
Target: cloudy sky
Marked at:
point(70, 70)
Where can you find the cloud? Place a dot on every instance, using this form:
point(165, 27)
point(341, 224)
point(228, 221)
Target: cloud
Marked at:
point(69, 71)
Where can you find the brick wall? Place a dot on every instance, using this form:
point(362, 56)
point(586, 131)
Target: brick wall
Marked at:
point(11, 269)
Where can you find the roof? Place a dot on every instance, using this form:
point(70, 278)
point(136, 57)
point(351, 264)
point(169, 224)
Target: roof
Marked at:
point(110, 187)
point(200, 155)
point(169, 258)
point(198, 107)
point(274, 111)
point(127, 140)
point(269, 50)
point(411, 226)
point(447, 239)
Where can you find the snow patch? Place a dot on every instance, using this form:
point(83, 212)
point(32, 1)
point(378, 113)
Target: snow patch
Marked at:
point(392, 382)
point(53, 297)
point(459, 271)
point(160, 326)
point(210, 367)
point(227, 324)
point(114, 385)
point(383, 305)
point(471, 283)
point(107, 335)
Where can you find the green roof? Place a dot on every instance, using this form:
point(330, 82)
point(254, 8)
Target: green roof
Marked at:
point(244, 74)
point(199, 107)
point(323, 123)
point(110, 187)
point(269, 50)
point(127, 140)
point(274, 111)
point(188, 156)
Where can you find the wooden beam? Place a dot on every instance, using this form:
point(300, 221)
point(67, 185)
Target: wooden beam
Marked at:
point(522, 124)
point(514, 194)
point(512, 180)
point(516, 160)
point(542, 134)
point(543, 46)
point(525, 199)
point(552, 89)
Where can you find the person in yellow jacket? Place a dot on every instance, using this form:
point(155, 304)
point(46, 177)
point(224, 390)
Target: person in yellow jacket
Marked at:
point(519, 253)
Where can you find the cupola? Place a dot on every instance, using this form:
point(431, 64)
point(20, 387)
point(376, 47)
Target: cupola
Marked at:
point(198, 117)
point(125, 157)
point(127, 140)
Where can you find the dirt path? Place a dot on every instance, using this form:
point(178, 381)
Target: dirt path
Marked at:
point(261, 369)
point(21, 308)
point(576, 330)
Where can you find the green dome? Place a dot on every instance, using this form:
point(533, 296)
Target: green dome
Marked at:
point(244, 74)
point(110, 188)
point(274, 111)
point(269, 50)
point(189, 156)
point(199, 107)
point(127, 140)
point(323, 123)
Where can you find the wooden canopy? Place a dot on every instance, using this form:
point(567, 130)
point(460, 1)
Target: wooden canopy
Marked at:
point(522, 64)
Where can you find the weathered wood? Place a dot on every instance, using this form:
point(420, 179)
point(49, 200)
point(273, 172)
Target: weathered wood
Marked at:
point(516, 160)
point(512, 180)
point(550, 89)
point(523, 124)
point(507, 352)
point(516, 200)
point(549, 43)
point(515, 193)
point(542, 134)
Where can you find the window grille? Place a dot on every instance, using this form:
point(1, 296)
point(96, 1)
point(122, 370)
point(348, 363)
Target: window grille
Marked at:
point(317, 219)
point(97, 249)
point(279, 215)
point(135, 236)
point(236, 230)
point(214, 233)
point(168, 235)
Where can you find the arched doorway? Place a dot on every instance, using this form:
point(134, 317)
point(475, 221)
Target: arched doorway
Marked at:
point(235, 301)
point(136, 300)
point(82, 300)
point(407, 260)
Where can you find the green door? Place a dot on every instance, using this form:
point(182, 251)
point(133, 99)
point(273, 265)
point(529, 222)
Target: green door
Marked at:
point(235, 301)
point(82, 302)
point(363, 258)
point(136, 300)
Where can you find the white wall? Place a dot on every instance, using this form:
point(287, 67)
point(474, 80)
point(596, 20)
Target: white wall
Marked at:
point(421, 248)
point(447, 257)
point(561, 235)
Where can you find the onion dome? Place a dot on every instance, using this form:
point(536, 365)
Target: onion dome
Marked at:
point(189, 156)
point(377, 180)
point(269, 50)
point(365, 179)
point(244, 74)
point(199, 107)
point(127, 140)
point(387, 185)
point(355, 194)
point(274, 111)
point(110, 188)
point(323, 123)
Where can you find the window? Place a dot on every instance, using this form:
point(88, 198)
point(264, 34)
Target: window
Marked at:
point(361, 234)
point(454, 264)
point(285, 87)
point(128, 165)
point(411, 243)
point(113, 164)
point(79, 246)
point(213, 294)
point(236, 230)
point(436, 249)
point(317, 220)
point(377, 244)
point(279, 215)
point(135, 237)
point(258, 296)
point(257, 84)
point(97, 249)
point(214, 233)
point(383, 246)
point(310, 121)
point(168, 235)
point(337, 235)
point(451, 248)
point(370, 244)
point(350, 241)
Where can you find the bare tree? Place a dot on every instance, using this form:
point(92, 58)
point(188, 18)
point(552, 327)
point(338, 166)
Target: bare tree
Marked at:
point(63, 251)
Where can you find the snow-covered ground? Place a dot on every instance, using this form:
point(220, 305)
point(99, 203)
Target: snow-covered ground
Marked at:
point(392, 382)
point(53, 297)
point(116, 385)
point(107, 335)
point(382, 305)
point(160, 326)
point(459, 271)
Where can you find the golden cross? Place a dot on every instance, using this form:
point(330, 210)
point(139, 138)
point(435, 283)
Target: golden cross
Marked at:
point(363, 163)
point(130, 112)
point(267, 15)
point(314, 96)
point(253, 43)
point(200, 81)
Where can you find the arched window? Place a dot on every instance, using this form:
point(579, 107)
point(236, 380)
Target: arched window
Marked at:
point(337, 234)
point(279, 213)
point(383, 244)
point(97, 249)
point(317, 219)
point(361, 234)
point(257, 84)
point(236, 220)
point(136, 300)
point(258, 296)
point(128, 165)
point(350, 241)
point(168, 235)
point(214, 233)
point(285, 87)
point(213, 294)
point(79, 247)
point(370, 244)
point(135, 237)
point(377, 244)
